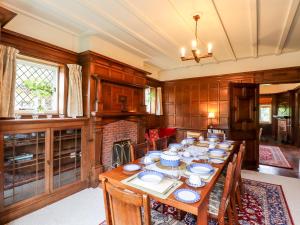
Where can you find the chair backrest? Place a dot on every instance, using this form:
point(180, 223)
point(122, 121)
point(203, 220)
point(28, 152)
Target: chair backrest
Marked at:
point(123, 207)
point(139, 150)
point(227, 189)
point(260, 133)
point(238, 168)
point(160, 144)
point(192, 134)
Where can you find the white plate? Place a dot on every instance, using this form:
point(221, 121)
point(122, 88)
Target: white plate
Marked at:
point(131, 167)
point(187, 195)
point(151, 176)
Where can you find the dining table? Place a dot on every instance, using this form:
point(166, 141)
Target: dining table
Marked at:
point(199, 208)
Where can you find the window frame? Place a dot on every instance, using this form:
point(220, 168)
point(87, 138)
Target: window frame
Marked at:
point(60, 102)
point(269, 106)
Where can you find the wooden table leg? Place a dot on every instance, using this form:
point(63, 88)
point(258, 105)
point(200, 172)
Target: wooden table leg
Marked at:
point(202, 218)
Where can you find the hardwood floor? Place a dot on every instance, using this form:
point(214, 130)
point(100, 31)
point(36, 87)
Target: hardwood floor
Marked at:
point(292, 154)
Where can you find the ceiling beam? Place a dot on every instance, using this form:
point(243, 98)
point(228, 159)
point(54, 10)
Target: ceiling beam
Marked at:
point(147, 21)
point(91, 25)
point(287, 25)
point(224, 29)
point(254, 26)
point(20, 11)
point(123, 27)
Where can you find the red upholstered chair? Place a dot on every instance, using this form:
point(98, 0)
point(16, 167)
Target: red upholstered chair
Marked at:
point(153, 134)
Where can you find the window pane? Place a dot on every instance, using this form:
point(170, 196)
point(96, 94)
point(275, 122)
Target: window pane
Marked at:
point(265, 114)
point(153, 100)
point(147, 100)
point(36, 87)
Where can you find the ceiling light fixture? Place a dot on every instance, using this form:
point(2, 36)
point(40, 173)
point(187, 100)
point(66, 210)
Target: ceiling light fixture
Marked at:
point(195, 50)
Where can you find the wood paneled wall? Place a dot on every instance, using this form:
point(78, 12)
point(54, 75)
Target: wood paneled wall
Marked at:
point(187, 102)
point(112, 93)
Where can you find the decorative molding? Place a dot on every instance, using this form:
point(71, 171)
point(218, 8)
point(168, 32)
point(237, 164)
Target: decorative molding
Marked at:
point(20, 11)
point(93, 26)
point(6, 16)
point(38, 49)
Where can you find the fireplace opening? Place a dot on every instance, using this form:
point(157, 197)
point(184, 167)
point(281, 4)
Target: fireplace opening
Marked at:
point(121, 153)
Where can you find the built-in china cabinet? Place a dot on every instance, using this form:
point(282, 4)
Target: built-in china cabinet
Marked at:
point(41, 161)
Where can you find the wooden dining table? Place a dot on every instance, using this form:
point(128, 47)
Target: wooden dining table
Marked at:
point(199, 209)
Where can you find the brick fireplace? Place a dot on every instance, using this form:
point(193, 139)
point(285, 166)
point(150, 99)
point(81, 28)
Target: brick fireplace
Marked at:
point(114, 132)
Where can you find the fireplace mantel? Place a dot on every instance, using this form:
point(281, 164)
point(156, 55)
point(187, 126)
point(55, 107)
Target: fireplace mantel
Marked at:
point(118, 114)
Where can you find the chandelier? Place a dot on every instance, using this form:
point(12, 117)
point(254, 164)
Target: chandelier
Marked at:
point(195, 50)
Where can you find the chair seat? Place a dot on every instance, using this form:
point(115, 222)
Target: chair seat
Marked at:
point(158, 218)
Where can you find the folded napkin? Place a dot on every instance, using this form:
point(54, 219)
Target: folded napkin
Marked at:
point(161, 190)
point(164, 171)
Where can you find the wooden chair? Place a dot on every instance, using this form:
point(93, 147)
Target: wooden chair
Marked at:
point(192, 134)
point(160, 144)
point(238, 179)
point(219, 201)
point(123, 207)
point(237, 183)
point(139, 150)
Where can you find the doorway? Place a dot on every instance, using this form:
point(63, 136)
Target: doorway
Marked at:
point(279, 151)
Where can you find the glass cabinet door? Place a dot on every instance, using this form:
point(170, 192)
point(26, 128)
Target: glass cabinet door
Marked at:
point(23, 166)
point(66, 157)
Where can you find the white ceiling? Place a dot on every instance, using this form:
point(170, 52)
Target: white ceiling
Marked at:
point(156, 29)
point(277, 88)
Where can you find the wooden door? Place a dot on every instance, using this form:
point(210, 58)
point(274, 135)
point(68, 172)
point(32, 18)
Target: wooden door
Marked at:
point(244, 119)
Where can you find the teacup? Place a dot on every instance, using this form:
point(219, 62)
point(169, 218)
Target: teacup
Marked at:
point(195, 179)
point(148, 160)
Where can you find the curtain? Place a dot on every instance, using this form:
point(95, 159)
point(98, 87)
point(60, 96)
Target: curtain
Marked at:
point(7, 80)
point(75, 91)
point(159, 109)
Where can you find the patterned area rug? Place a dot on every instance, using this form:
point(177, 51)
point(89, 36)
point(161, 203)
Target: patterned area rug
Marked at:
point(272, 156)
point(263, 204)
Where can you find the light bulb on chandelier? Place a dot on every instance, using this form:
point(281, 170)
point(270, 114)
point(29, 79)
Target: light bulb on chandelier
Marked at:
point(195, 51)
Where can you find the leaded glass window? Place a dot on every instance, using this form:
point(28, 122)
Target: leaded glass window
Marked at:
point(36, 87)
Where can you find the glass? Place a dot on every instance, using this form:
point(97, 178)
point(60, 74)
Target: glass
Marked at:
point(66, 157)
point(31, 79)
point(24, 166)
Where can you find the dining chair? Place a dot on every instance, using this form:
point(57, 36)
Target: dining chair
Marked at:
point(160, 144)
point(124, 207)
point(238, 189)
point(139, 150)
point(219, 200)
point(193, 134)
